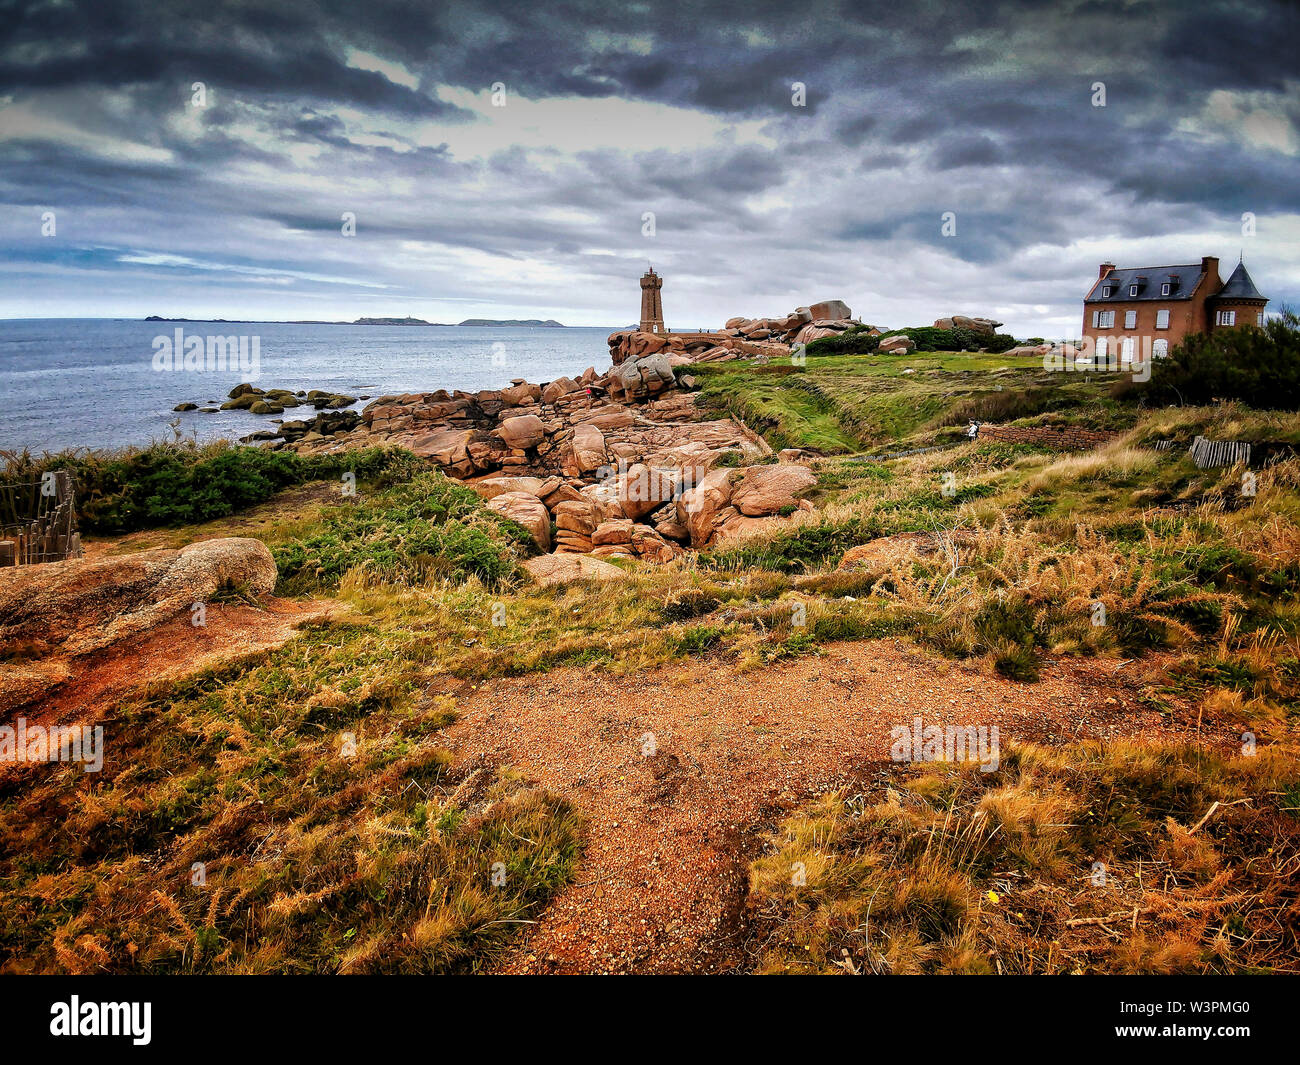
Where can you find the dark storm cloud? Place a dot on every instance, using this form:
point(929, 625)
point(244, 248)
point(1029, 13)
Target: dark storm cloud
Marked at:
point(911, 110)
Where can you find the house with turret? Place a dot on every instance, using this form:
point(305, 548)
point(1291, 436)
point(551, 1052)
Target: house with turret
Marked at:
point(1130, 311)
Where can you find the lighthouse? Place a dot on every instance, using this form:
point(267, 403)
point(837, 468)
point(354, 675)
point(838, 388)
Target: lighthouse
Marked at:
point(652, 308)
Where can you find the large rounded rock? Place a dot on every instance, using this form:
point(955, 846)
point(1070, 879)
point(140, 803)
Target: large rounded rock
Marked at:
point(830, 309)
point(521, 432)
point(700, 507)
point(448, 448)
point(641, 376)
point(561, 569)
point(642, 489)
point(770, 489)
point(528, 511)
point(558, 388)
point(898, 345)
point(521, 395)
point(587, 449)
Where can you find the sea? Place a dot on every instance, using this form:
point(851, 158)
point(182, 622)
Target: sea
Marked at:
point(103, 384)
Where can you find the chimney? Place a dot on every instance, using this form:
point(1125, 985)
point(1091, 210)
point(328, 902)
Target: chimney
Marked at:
point(1105, 269)
point(1210, 267)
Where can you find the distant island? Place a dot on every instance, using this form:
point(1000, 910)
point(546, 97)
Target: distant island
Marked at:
point(549, 323)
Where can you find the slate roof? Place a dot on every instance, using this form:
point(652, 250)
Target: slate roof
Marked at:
point(1239, 286)
point(1182, 281)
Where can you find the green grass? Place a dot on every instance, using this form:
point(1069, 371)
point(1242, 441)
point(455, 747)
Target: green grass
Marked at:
point(841, 404)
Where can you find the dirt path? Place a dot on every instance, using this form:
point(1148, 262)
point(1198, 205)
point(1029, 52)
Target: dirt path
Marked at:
point(670, 834)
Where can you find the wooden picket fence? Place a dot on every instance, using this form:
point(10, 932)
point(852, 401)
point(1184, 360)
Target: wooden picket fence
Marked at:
point(37, 521)
point(1210, 453)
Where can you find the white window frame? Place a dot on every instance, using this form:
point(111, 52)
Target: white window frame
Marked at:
point(1225, 318)
point(1160, 349)
point(1127, 349)
point(1105, 320)
point(1164, 289)
point(1103, 347)
point(1162, 318)
point(1132, 290)
point(1107, 290)
point(1259, 319)
point(1130, 319)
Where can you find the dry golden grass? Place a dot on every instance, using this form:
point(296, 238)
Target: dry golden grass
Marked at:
point(1120, 858)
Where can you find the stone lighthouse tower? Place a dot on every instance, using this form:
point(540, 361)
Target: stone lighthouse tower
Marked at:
point(652, 308)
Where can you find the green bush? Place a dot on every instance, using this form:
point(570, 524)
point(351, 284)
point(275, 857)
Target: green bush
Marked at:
point(795, 550)
point(1259, 366)
point(428, 527)
point(1000, 342)
point(928, 338)
point(856, 341)
point(185, 483)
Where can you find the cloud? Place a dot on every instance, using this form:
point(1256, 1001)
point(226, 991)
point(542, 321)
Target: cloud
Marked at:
point(760, 205)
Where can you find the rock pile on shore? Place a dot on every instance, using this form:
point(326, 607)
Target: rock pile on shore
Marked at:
point(273, 400)
point(619, 465)
point(739, 338)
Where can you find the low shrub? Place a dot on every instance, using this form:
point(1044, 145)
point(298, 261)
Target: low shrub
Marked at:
point(1260, 367)
point(185, 483)
point(428, 527)
point(859, 340)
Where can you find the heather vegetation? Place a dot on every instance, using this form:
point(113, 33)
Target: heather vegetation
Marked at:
point(291, 812)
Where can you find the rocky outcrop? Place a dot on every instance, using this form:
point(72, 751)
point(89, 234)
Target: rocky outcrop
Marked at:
point(987, 326)
point(597, 464)
point(739, 338)
point(79, 606)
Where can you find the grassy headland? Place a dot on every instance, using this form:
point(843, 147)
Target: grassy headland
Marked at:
point(381, 859)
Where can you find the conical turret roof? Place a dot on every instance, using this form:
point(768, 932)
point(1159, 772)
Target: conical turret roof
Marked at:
point(1239, 286)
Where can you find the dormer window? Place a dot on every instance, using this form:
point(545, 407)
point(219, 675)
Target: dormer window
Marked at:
point(1107, 291)
point(1164, 289)
point(1132, 290)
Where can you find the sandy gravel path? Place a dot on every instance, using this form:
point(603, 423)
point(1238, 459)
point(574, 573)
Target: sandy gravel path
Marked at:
point(678, 772)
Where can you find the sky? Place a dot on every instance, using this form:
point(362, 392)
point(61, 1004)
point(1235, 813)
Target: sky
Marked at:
point(917, 160)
